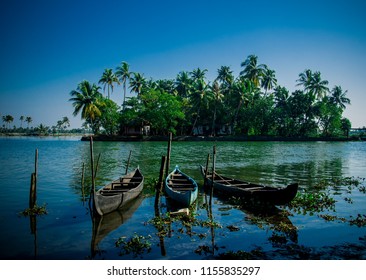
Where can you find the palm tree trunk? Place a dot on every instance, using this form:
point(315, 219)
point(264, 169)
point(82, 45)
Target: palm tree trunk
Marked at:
point(213, 122)
point(233, 124)
point(195, 121)
point(124, 95)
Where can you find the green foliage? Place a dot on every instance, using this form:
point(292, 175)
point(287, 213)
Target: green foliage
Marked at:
point(310, 202)
point(137, 245)
point(35, 211)
point(161, 111)
point(250, 104)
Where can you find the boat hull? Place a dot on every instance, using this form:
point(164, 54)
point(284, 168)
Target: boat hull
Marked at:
point(118, 193)
point(183, 192)
point(252, 192)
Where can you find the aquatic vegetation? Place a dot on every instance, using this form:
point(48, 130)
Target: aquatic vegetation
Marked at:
point(278, 238)
point(359, 221)
point(310, 202)
point(137, 245)
point(35, 211)
point(204, 249)
point(255, 254)
point(331, 218)
point(233, 228)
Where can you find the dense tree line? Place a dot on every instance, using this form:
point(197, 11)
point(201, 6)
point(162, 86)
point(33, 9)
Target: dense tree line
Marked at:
point(250, 104)
point(60, 127)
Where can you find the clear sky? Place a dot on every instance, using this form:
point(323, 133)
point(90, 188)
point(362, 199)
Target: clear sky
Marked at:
point(48, 47)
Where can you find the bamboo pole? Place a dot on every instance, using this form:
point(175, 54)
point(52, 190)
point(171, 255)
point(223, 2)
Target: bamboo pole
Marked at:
point(96, 166)
point(168, 153)
point(92, 193)
point(128, 162)
point(159, 186)
point(213, 172)
point(32, 191)
point(82, 181)
point(206, 168)
point(33, 185)
point(36, 165)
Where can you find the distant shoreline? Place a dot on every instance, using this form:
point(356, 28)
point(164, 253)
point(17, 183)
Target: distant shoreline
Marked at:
point(228, 138)
point(117, 138)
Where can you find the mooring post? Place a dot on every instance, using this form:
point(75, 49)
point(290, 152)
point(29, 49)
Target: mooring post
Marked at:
point(82, 181)
point(159, 186)
point(168, 153)
point(32, 192)
point(33, 185)
point(206, 168)
point(128, 162)
point(97, 166)
point(92, 165)
point(213, 172)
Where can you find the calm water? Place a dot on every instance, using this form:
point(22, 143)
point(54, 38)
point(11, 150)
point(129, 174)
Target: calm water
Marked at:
point(69, 232)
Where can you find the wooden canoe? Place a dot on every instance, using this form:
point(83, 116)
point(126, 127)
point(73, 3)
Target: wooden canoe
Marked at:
point(119, 192)
point(106, 224)
point(181, 188)
point(250, 191)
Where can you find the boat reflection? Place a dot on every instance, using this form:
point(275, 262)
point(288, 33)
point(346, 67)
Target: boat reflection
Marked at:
point(106, 224)
point(275, 220)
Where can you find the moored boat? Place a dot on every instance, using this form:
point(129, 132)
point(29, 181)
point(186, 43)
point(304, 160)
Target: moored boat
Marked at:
point(119, 192)
point(181, 188)
point(250, 191)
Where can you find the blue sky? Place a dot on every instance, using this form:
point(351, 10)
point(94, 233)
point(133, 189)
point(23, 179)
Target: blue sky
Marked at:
point(48, 47)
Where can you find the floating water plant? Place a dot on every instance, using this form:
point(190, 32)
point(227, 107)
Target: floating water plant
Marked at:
point(310, 202)
point(35, 211)
point(136, 245)
point(359, 221)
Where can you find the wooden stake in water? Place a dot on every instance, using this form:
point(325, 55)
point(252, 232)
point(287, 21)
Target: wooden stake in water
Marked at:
point(82, 181)
point(96, 166)
point(206, 168)
point(213, 172)
point(168, 153)
point(128, 162)
point(92, 164)
point(159, 186)
point(33, 185)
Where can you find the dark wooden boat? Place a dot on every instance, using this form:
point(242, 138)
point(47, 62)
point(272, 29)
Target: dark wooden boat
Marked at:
point(119, 192)
point(250, 191)
point(181, 188)
point(107, 224)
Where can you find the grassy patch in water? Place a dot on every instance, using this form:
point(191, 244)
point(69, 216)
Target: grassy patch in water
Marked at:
point(35, 211)
point(137, 245)
point(312, 202)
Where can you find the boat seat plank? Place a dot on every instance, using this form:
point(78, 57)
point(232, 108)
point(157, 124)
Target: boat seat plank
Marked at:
point(129, 178)
point(179, 184)
point(183, 189)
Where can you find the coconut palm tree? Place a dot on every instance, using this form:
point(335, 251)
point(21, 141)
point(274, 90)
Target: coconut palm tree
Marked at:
point(88, 100)
point(305, 79)
point(183, 84)
point(8, 119)
point(28, 120)
point(137, 82)
point(313, 84)
point(318, 87)
point(217, 99)
point(338, 97)
point(123, 74)
point(198, 74)
point(225, 75)
point(21, 121)
point(108, 79)
point(243, 88)
point(269, 80)
point(198, 98)
point(252, 70)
